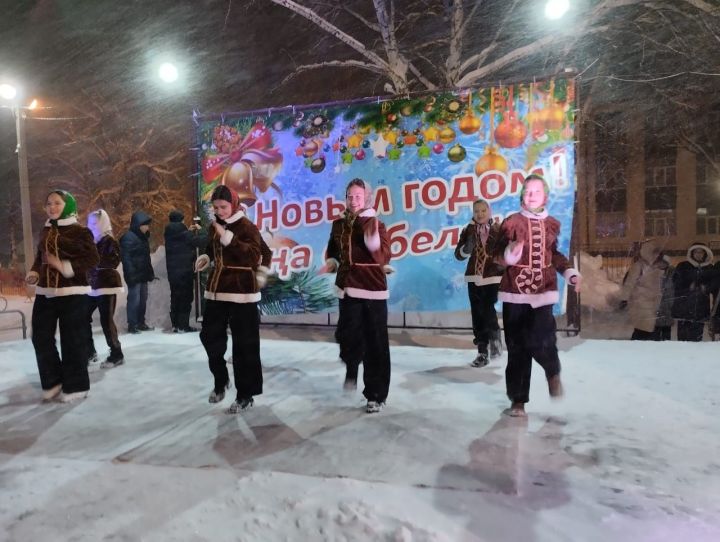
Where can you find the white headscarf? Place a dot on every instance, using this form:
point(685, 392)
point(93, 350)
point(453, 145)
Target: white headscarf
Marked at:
point(99, 224)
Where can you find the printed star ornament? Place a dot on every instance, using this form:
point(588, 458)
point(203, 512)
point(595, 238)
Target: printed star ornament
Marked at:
point(379, 146)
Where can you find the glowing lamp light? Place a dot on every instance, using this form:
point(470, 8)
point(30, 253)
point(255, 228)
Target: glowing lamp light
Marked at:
point(168, 72)
point(7, 92)
point(554, 9)
point(33, 104)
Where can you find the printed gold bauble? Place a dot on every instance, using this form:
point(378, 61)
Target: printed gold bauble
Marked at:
point(490, 161)
point(239, 177)
point(456, 153)
point(552, 117)
point(469, 124)
point(447, 134)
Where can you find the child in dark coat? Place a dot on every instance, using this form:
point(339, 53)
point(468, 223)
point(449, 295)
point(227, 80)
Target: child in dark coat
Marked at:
point(482, 275)
point(106, 284)
point(65, 254)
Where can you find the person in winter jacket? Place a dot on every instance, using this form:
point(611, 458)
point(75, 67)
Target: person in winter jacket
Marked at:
point(665, 321)
point(105, 284)
point(694, 280)
point(181, 244)
point(642, 291)
point(232, 294)
point(65, 253)
point(527, 246)
point(482, 275)
point(137, 269)
point(359, 252)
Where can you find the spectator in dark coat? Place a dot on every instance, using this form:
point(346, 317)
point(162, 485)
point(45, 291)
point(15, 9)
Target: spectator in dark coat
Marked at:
point(137, 269)
point(181, 243)
point(693, 279)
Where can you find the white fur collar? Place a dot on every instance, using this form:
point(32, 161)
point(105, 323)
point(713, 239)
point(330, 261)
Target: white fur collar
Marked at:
point(367, 212)
point(63, 221)
point(237, 216)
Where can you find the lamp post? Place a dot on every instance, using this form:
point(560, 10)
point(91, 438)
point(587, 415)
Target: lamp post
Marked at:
point(9, 92)
point(24, 188)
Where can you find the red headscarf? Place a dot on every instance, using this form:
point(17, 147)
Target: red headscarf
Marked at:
point(226, 193)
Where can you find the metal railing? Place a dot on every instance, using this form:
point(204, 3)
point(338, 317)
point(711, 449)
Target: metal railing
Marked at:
point(4, 310)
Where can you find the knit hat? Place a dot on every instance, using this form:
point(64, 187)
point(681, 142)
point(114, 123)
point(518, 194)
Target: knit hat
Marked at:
point(99, 224)
point(534, 177)
point(226, 193)
point(70, 208)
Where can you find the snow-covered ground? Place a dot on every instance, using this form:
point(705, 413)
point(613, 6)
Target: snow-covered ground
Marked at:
point(631, 453)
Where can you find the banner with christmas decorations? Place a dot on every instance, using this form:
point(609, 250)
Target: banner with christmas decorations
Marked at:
point(427, 157)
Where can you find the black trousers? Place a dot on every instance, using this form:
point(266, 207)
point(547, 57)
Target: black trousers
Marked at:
point(244, 322)
point(482, 310)
point(660, 333)
point(363, 338)
point(690, 331)
point(70, 370)
point(529, 333)
point(181, 298)
point(105, 304)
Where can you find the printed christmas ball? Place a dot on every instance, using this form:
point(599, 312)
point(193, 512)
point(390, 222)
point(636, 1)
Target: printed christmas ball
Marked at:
point(317, 165)
point(469, 124)
point(490, 161)
point(310, 148)
point(511, 132)
point(456, 153)
point(447, 134)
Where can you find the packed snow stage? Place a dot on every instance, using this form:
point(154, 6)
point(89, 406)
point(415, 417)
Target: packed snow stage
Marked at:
point(630, 453)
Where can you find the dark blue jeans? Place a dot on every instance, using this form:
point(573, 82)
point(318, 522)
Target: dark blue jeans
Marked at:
point(136, 301)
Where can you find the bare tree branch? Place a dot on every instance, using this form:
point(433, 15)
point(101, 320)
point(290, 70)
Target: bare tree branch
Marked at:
point(330, 28)
point(333, 64)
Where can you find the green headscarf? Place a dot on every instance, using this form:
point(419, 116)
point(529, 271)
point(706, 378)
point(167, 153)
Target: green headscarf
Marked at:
point(70, 208)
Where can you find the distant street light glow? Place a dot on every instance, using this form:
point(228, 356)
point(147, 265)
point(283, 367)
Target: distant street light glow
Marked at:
point(33, 104)
point(554, 9)
point(168, 72)
point(7, 91)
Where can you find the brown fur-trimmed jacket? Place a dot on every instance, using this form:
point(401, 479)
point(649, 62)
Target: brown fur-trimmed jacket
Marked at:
point(481, 267)
point(236, 256)
point(75, 246)
point(532, 278)
point(104, 278)
point(360, 259)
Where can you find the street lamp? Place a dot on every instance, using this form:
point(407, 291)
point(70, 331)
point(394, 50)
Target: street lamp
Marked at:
point(9, 92)
point(554, 9)
point(168, 72)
